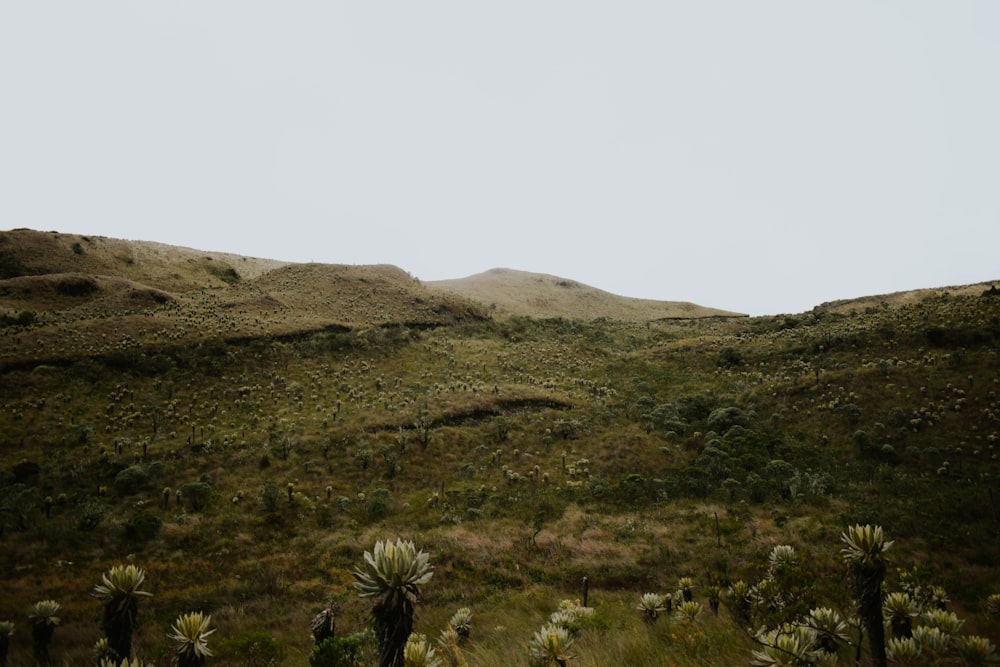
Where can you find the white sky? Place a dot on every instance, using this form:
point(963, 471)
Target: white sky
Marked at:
point(759, 156)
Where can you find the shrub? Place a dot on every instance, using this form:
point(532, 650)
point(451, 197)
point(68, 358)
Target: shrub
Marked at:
point(251, 648)
point(378, 504)
point(729, 357)
point(340, 651)
point(195, 495)
point(142, 526)
point(131, 480)
point(90, 514)
point(723, 419)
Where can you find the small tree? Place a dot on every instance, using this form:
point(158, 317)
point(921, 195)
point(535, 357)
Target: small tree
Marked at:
point(119, 590)
point(864, 554)
point(392, 574)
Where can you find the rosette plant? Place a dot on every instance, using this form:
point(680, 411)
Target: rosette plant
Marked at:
point(864, 554)
point(191, 632)
point(392, 574)
point(6, 630)
point(43, 625)
point(119, 589)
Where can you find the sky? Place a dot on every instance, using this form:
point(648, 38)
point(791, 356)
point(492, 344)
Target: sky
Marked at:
point(762, 157)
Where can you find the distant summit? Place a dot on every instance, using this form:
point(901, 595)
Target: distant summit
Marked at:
point(510, 292)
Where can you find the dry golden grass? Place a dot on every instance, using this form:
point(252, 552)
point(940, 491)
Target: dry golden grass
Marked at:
point(165, 267)
point(94, 296)
point(906, 297)
point(509, 292)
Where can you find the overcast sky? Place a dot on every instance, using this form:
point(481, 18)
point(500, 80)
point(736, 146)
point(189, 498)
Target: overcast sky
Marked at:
point(758, 156)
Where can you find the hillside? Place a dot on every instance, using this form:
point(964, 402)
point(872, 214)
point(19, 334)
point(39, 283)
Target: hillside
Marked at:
point(88, 296)
point(508, 292)
point(246, 438)
point(907, 297)
point(25, 252)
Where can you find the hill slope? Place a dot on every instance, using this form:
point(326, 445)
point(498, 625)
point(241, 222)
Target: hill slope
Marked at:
point(248, 475)
point(510, 292)
point(25, 252)
point(86, 296)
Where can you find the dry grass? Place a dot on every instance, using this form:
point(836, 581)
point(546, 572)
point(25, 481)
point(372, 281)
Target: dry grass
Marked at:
point(903, 298)
point(508, 292)
point(93, 296)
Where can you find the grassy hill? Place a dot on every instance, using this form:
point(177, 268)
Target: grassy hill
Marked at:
point(87, 296)
point(246, 438)
point(508, 292)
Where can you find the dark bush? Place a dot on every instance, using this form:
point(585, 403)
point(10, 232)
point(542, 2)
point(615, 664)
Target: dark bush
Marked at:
point(338, 652)
point(90, 514)
point(195, 495)
point(723, 419)
point(729, 357)
point(142, 526)
point(251, 649)
point(27, 472)
point(131, 480)
point(76, 286)
point(378, 504)
point(269, 497)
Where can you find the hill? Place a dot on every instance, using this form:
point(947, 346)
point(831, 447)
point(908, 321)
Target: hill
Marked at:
point(508, 292)
point(246, 438)
point(903, 298)
point(88, 296)
point(25, 252)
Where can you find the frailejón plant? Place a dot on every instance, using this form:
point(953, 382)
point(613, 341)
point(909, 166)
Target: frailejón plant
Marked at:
point(392, 574)
point(119, 589)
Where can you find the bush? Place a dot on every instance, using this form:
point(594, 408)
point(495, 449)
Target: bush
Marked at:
point(378, 504)
point(143, 526)
point(90, 514)
point(729, 357)
point(723, 419)
point(251, 648)
point(195, 495)
point(339, 651)
point(269, 497)
point(131, 480)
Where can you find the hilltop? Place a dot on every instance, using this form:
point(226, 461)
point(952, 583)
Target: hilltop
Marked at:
point(509, 292)
point(92, 295)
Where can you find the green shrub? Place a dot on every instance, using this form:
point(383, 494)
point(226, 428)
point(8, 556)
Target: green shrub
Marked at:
point(729, 357)
point(250, 649)
point(130, 481)
point(269, 497)
point(195, 495)
point(90, 514)
point(142, 526)
point(340, 651)
point(378, 504)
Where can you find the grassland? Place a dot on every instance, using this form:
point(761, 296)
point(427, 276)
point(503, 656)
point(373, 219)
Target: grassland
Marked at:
point(306, 411)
